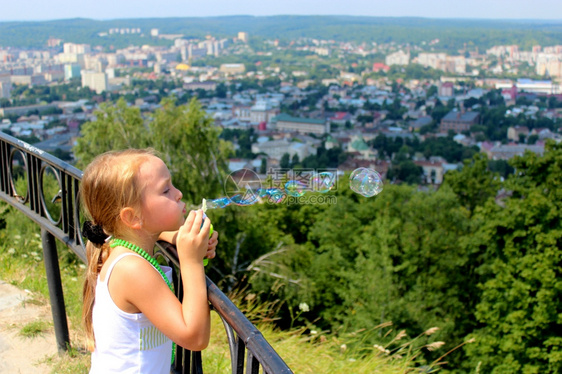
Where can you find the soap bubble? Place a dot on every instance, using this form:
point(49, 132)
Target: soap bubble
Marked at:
point(366, 182)
point(295, 188)
point(250, 197)
point(242, 187)
point(218, 203)
point(322, 182)
point(274, 195)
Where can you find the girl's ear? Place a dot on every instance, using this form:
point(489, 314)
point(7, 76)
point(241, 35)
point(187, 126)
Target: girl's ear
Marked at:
point(130, 218)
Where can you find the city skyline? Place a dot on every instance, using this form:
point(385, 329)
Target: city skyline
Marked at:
point(36, 10)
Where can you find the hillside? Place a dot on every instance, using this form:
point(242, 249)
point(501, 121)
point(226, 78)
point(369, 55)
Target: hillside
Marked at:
point(452, 33)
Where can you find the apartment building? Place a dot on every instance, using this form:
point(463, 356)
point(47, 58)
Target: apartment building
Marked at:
point(5, 86)
point(287, 123)
point(433, 171)
point(514, 132)
point(507, 151)
point(398, 58)
point(262, 111)
point(432, 60)
point(232, 68)
point(441, 61)
point(77, 48)
point(95, 81)
point(549, 64)
point(71, 71)
point(275, 149)
point(446, 89)
point(243, 36)
point(458, 121)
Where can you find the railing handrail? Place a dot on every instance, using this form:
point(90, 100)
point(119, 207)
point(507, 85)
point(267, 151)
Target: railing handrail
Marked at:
point(241, 333)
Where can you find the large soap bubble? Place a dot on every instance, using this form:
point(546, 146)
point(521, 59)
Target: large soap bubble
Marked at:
point(366, 182)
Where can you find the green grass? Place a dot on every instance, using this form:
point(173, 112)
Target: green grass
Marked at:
point(74, 361)
point(35, 328)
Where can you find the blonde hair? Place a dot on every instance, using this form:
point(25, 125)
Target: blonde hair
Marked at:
point(108, 185)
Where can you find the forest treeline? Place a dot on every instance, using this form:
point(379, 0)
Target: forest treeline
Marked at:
point(480, 257)
point(453, 34)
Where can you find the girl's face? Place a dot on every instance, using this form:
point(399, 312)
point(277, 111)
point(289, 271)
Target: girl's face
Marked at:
point(161, 208)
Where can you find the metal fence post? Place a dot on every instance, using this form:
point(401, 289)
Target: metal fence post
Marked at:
point(55, 290)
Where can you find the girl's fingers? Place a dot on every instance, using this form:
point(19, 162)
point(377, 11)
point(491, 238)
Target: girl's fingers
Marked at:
point(206, 226)
point(194, 236)
point(197, 221)
point(211, 253)
point(188, 224)
point(214, 237)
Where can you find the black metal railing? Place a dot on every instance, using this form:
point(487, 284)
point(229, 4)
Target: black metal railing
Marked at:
point(46, 190)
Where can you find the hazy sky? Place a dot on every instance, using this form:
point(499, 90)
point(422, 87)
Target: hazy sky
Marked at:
point(23, 10)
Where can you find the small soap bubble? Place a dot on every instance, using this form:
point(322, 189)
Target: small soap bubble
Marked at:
point(366, 182)
point(276, 195)
point(322, 182)
point(242, 187)
point(246, 199)
point(295, 188)
point(218, 203)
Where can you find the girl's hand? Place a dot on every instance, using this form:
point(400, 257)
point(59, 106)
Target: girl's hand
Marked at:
point(192, 240)
point(212, 245)
point(171, 237)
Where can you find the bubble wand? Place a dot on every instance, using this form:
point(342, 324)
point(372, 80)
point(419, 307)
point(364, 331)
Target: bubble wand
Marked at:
point(204, 209)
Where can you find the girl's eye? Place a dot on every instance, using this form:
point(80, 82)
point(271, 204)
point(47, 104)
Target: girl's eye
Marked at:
point(166, 190)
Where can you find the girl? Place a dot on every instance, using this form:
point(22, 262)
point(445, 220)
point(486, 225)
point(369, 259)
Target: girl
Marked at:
point(130, 313)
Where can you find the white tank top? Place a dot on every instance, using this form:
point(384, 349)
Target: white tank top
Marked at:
point(126, 342)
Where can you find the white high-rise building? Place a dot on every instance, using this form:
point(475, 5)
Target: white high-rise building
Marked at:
point(398, 58)
point(243, 36)
point(71, 71)
point(77, 48)
point(95, 81)
point(549, 64)
point(5, 86)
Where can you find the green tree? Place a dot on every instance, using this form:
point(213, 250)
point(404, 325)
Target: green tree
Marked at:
point(395, 257)
point(295, 161)
point(221, 90)
point(184, 135)
point(190, 143)
point(475, 183)
point(501, 166)
point(285, 162)
point(521, 277)
point(405, 170)
point(115, 127)
point(439, 111)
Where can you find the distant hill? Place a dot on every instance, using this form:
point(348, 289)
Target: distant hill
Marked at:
point(452, 33)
